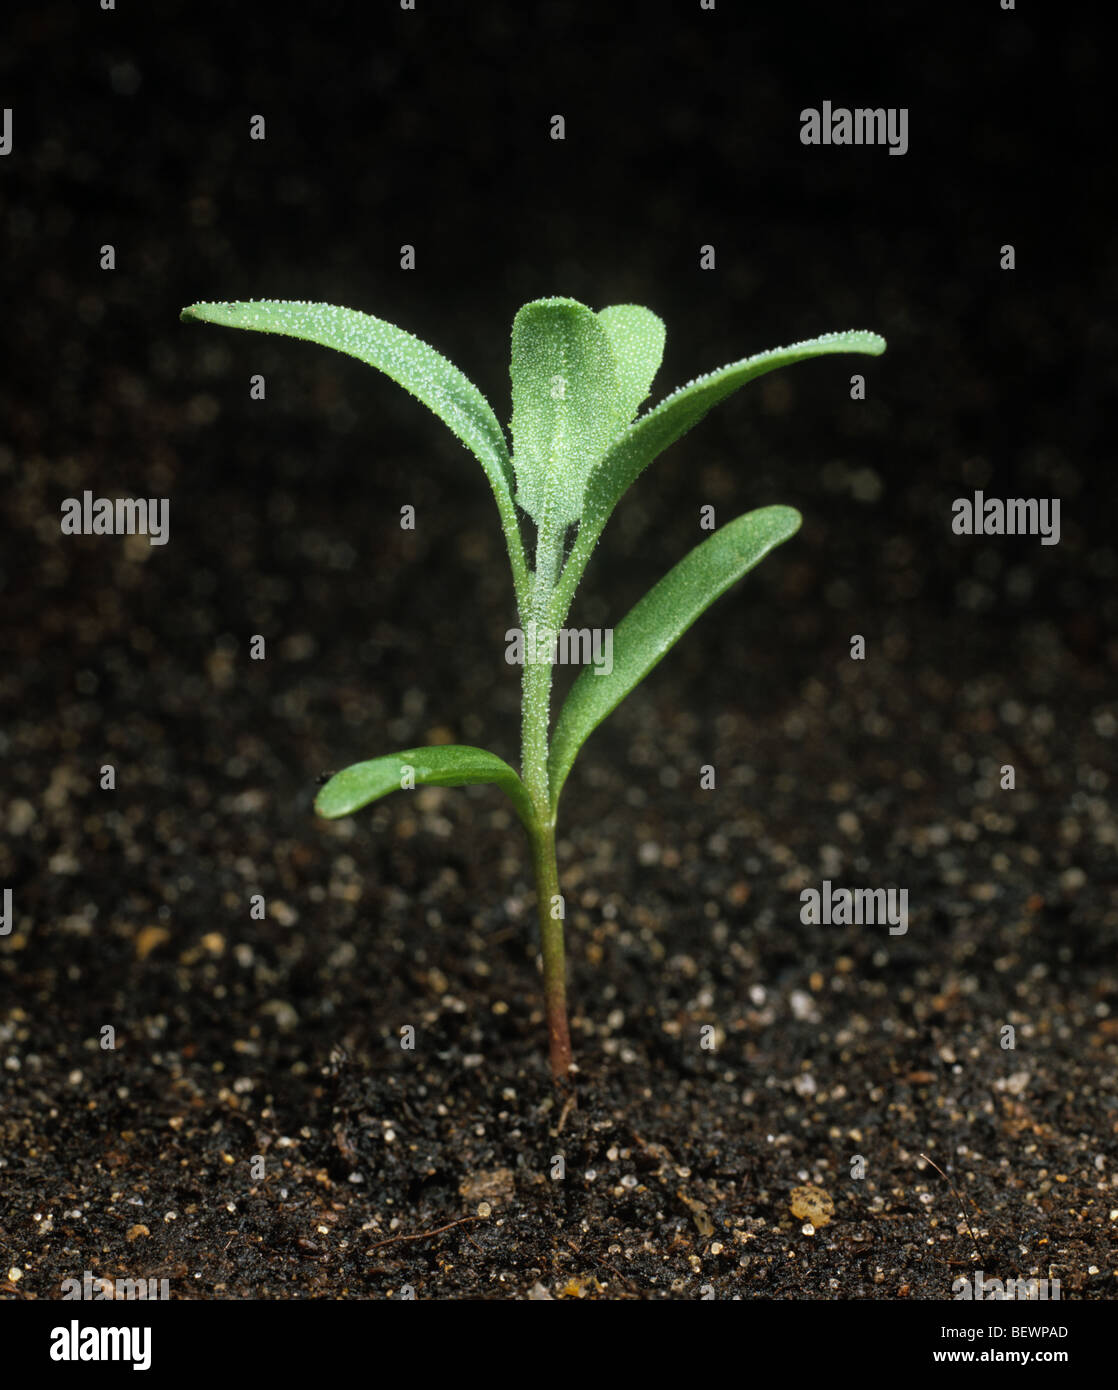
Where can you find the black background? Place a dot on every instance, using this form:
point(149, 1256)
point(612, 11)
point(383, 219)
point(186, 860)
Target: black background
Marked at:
point(431, 127)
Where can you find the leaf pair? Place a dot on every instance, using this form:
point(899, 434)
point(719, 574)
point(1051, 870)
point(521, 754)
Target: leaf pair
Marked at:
point(578, 379)
point(640, 641)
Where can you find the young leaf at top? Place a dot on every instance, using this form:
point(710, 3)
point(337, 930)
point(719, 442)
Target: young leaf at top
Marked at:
point(564, 405)
point(444, 765)
point(637, 336)
point(408, 361)
point(653, 626)
point(631, 452)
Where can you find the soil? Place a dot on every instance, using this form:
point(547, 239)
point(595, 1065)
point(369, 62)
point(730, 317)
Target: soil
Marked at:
point(257, 1130)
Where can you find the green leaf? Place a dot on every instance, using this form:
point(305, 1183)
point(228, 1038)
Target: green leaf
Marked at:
point(445, 765)
point(656, 623)
point(410, 362)
point(637, 336)
point(564, 405)
point(631, 452)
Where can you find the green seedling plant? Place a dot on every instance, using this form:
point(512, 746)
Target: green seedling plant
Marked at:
point(578, 443)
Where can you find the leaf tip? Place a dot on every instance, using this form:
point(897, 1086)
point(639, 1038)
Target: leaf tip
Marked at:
point(206, 312)
point(788, 519)
point(862, 340)
point(330, 803)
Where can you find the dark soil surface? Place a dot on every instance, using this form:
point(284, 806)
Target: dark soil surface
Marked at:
point(258, 1131)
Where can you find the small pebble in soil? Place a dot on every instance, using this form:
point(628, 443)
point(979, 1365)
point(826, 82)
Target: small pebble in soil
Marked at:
point(812, 1205)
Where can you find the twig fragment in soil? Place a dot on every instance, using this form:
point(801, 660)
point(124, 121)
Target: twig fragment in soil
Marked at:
point(425, 1235)
point(951, 1185)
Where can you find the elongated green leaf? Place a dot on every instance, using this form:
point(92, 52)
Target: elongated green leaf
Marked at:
point(631, 452)
point(637, 336)
point(653, 626)
point(564, 405)
point(445, 765)
point(410, 362)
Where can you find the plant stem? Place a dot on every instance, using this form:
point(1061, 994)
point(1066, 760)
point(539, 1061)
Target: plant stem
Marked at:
point(554, 960)
point(536, 711)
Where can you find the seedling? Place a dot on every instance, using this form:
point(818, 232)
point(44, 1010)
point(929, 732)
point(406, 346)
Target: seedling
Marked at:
point(578, 379)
